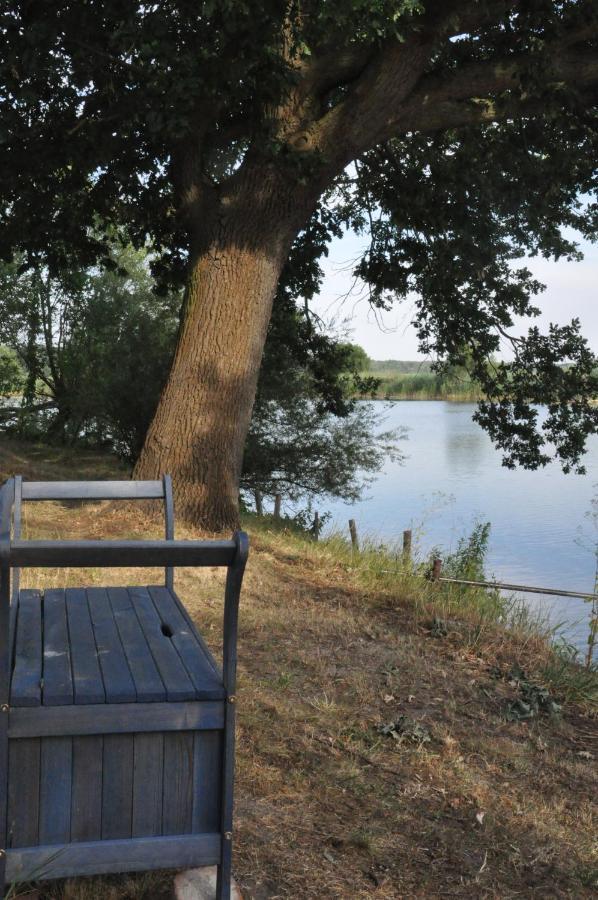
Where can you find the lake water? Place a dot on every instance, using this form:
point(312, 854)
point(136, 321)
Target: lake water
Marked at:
point(542, 533)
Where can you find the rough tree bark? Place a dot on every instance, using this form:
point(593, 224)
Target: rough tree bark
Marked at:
point(199, 429)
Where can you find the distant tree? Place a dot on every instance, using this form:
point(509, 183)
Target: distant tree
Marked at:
point(458, 133)
point(360, 361)
point(93, 347)
point(12, 375)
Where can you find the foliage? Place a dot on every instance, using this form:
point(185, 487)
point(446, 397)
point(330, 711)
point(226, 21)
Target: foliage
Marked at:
point(360, 361)
point(467, 561)
point(533, 699)
point(95, 348)
point(308, 436)
point(295, 449)
point(406, 729)
point(449, 227)
point(471, 126)
point(11, 373)
point(387, 367)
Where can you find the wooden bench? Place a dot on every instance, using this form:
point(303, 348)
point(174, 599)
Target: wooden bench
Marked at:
point(116, 723)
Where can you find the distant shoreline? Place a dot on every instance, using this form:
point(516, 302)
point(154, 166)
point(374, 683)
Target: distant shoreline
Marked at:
point(412, 399)
point(408, 380)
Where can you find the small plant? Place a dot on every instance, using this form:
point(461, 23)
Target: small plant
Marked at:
point(406, 729)
point(467, 561)
point(533, 700)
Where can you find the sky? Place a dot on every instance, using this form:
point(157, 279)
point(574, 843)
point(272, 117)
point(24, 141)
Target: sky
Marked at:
point(571, 291)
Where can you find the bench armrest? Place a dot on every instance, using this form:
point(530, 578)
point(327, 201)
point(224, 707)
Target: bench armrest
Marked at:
point(27, 554)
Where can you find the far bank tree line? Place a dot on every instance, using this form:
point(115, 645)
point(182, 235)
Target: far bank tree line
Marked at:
point(84, 357)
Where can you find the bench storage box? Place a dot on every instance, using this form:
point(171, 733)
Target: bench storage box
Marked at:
point(117, 725)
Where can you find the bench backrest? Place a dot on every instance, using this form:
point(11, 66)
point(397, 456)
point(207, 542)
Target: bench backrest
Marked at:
point(25, 491)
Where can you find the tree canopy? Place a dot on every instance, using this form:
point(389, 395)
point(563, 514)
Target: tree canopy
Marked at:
point(241, 138)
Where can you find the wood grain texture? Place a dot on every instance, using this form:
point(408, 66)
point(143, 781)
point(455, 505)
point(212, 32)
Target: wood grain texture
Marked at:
point(119, 718)
point(92, 490)
point(198, 666)
point(118, 682)
point(100, 857)
point(117, 788)
point(27, 672)
point(168, 525)
point(55, 790)
point(149, 687)
point(177, 682)
point(58, 681)
point(87, 677)
point(86, 800)
point(148, 784)
point(177, 810)
point(52, 554)
point(23, 792)
point(207, 773)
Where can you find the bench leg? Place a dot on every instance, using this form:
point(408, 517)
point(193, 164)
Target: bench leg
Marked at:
point(223, 878)
point(4, 695)
point(228, 775)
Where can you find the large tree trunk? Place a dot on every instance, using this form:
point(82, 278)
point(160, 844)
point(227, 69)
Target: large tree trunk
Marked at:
point(199, 429)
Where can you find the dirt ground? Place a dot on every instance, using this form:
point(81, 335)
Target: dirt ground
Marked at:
point(377, 755)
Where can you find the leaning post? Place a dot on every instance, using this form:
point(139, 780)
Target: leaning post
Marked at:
point(259, 508)
point(277, 505)
point(353, 533)
point(316, 526)
point(407, 546)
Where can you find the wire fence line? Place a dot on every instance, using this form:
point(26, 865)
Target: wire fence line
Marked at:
point(435, 574)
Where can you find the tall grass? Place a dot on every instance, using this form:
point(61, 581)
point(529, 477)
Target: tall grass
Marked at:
point(480, 617)
point(426, 386)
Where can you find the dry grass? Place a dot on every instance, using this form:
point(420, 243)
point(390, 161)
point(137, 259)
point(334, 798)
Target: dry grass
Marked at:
point(327, 806)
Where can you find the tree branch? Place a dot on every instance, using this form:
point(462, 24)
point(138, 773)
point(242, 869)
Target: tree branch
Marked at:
point(471, 96)
point(393, 95)
point(7, 411)
point(360, 121)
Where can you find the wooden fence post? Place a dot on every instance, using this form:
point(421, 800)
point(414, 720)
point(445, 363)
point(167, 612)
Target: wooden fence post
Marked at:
point(259, 508)
point(407, 545)
point(316, 526)
point(436, 569)
point(353, 532)
point(277, 505)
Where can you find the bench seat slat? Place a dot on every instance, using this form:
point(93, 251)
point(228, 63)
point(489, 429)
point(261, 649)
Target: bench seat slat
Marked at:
point(174, 675)
point(200, 667)
point(88, 684)
point(116, 675)
point(109, 645)
point(58, 681)
point(27, 673)
point(148, 684)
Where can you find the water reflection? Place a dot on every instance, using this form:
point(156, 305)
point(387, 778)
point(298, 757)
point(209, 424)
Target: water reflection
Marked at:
point(537, 517)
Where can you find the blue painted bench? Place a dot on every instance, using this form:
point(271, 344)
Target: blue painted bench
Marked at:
point(116, 723)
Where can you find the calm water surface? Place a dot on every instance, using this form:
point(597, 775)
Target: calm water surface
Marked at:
point(542, 533)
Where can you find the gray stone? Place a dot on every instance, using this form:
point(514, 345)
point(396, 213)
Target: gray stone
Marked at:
point(200, 884)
